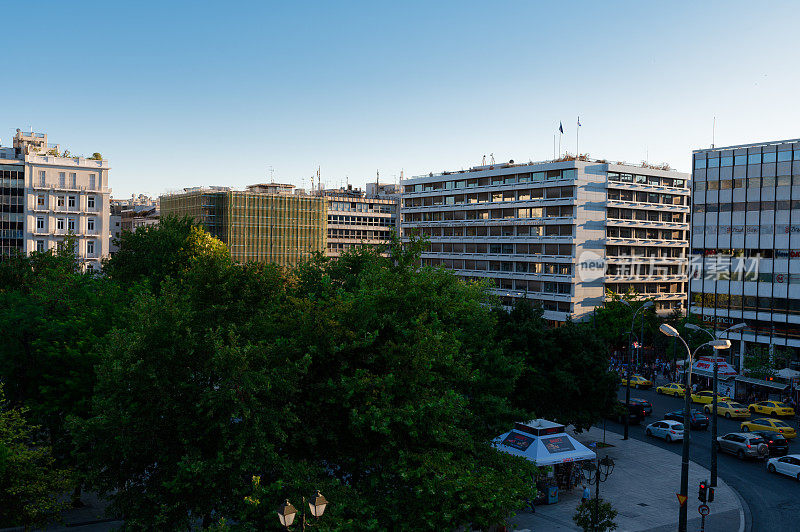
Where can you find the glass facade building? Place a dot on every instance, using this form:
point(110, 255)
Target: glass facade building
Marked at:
point(12, 207)
point(278, 228)
point(745, 242)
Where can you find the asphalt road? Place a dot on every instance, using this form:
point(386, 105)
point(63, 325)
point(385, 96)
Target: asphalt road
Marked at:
point(774, 500)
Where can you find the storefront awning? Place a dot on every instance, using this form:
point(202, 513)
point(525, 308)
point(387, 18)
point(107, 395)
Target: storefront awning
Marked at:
point(549, 449)
point(705, 366)
point(761, 382)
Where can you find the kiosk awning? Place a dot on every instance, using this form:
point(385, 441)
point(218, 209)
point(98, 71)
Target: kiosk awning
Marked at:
point(543, 450)
point(761, 382)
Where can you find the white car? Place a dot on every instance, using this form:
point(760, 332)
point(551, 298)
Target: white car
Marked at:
point(667, 429)
point(788, 465)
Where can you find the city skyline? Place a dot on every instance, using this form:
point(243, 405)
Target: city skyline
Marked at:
point(279, 91)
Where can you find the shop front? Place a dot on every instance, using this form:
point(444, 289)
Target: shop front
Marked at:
point(751, 390)
point(546, 444)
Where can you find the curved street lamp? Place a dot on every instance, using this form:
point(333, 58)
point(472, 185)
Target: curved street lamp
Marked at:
point(646, 304)
point(669, 330)
point(316, 505)
point(693, 327)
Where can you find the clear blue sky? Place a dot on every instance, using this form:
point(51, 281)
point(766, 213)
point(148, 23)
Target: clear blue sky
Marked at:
point(180, 94)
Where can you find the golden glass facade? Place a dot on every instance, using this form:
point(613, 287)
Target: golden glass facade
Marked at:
point(257, 227)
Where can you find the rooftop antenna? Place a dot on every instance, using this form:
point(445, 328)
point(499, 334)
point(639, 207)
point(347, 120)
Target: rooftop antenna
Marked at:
point(713, 131)
point(271, 174)
point(377, 181)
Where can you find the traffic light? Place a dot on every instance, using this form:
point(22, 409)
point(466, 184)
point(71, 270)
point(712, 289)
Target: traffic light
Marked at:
point(710, 494)
point(703, 492)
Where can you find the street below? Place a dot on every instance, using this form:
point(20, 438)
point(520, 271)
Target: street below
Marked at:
point(773, 500)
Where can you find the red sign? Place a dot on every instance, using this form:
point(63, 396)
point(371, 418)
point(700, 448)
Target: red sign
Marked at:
point(681, 498)
point(703, 509)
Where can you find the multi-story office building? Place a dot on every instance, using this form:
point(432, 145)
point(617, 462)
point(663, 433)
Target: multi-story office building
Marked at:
point(265, 223)
point(745, 242)
point(46, 197)
point(562, 233)
point(356, 218)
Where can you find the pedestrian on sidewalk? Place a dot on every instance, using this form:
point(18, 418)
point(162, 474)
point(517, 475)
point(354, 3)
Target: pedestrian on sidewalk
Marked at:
point(586, 495)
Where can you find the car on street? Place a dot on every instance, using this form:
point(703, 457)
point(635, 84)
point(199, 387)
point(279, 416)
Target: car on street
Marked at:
point(706, 396)
point(771, 408)
point(787, 465)
point(666, 429)
point(743, 445)
point(644, 403)
point(637, 381)
point(769, 425)
point(729, 409)
point(635, 413)
point(778, 445)
point(674, 389)
point(698, 420)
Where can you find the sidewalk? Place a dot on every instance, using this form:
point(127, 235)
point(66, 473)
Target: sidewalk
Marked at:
point(642, 489)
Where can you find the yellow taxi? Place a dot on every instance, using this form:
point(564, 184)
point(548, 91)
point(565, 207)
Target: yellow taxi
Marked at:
point(637, 381)
point(707, 396)
point(729, 409)
point(772, 408)
point(770, 425)
point(673, 388)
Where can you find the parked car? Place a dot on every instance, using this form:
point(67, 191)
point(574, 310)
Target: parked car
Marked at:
point(778, 445)
point(788, 465)
point(729, 409)
point(743, 445)
point(637, 381)
point(769, 425)
point(667, 429)
point(635, 413)
point(698, 420)
point(706, 396)
point(644, 403)
point(771, 408)
point(674, 389)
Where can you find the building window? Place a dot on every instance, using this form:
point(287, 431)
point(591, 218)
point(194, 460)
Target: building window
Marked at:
point(40, 223)
point(40, 200)
point(40, 245)
point(73, 180)
point(62, 179)
point(71, 224)
point(90, 247)
point(92, 178)
point(90, 202)
point(71, 202)
point(60, 201)
point(42, 178)
point(90, 224)
point(60, 224)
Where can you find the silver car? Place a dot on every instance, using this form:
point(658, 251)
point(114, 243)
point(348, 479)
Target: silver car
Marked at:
point(743, 445)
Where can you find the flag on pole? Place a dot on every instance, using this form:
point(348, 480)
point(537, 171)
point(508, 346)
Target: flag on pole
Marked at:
point(579, 121)
point(560, 127)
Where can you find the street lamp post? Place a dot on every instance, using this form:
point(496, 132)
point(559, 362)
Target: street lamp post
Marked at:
point(693, 327)
point(669, 330)
point(287, 512)
point(646, 304)
point(595, 474)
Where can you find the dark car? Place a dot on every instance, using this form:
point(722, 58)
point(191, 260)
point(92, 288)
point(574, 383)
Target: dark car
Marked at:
point(635, 413)
point(645, 404)
point(698, 421)
point(778, 445)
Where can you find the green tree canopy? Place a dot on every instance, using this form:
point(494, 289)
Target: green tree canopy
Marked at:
point(155, 252)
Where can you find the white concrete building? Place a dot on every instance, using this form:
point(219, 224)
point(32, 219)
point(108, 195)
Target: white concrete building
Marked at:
point(355, 218)
point(746, 244)
point(59, 196)
point(559, 232)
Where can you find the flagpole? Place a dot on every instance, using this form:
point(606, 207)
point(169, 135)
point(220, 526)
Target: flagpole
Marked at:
point(559, 144)
point(554, 146)
point(577, 140)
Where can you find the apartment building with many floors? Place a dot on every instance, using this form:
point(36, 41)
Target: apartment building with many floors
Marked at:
point(746, 245)
point(559, 232)
point(355, 218)
point(46, 197)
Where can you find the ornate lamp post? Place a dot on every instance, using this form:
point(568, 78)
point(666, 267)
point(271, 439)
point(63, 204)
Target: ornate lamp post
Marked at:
point(693, 327)
point(595, 474)
point(646, 304)
point(287, 512)
point(669, 330)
